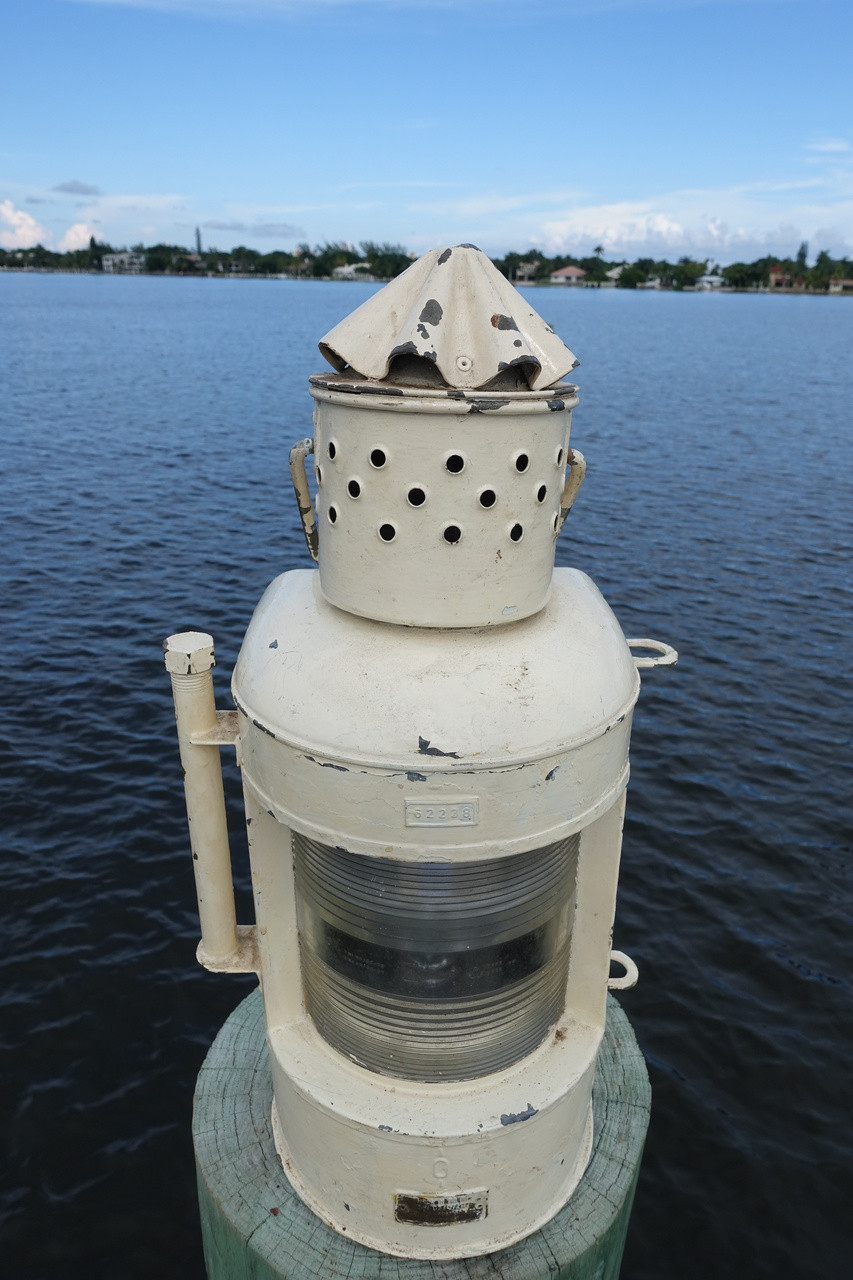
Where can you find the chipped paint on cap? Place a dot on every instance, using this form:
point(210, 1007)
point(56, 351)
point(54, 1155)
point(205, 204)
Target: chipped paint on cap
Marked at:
point(188, 653)
point(453, 315)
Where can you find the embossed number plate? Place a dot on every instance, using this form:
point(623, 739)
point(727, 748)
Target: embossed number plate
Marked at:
point(440, 1211)
point(442, 813)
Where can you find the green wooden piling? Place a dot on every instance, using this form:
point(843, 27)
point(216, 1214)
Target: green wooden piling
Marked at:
point(255, 1227)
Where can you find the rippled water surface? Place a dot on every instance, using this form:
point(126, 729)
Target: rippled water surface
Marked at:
point(145, 431)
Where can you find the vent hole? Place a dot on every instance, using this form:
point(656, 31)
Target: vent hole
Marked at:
point(387, 532)
point(377, 458)
point(354, 489)
point(416, 497)
point(516, 533)
point(332, 449)
point(559, 457)
point(556, 522)
point(333, 514)
point(541, 493)
point(488, 498)
point(452, 533)
point(455, 463)
point(522, 462)
point(319, 475)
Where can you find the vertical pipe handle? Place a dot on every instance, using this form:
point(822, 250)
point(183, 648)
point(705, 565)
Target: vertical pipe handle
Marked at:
point(298, 454)
point(574, 480)
point(189, 660)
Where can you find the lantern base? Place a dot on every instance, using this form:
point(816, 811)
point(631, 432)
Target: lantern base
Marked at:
point(255, 1227)
point(438, 1170)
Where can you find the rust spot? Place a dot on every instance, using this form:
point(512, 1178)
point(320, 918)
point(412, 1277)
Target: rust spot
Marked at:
point(560, 1034)
point(503, 322)
point(274, 1212)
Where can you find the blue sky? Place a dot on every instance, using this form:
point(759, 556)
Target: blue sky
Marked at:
point(652, 127)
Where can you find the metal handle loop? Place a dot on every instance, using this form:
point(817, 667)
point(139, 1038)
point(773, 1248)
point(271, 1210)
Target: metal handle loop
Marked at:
point(298, 454)
point(664, 654)
point(629, 978)
point(574, 480)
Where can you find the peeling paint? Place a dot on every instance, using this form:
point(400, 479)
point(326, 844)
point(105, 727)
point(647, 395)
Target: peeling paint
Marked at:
point(273, 644)
point(504, 322)
point(432, 312)
point(484, 406)
point(443, 257)
point(417, 777)
point(405, 349)
point(426, 750)
point(327, 764)
point(518, 1116)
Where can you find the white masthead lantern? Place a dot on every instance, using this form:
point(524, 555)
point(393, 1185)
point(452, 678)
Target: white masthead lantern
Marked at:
point(433, 734)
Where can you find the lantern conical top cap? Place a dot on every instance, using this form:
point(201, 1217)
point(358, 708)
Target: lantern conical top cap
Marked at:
point(455, 315)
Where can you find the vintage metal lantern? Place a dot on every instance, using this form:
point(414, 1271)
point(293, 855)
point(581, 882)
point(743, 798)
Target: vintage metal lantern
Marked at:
point(433, 733)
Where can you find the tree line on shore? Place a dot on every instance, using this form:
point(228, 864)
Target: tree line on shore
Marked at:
point(372, 260)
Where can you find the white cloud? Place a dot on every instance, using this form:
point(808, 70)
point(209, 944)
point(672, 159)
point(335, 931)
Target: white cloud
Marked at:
point(742, 221)
point(23, 230)
point(831, 146)
point(76, 237)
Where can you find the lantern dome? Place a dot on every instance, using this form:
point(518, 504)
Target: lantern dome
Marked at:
point(453, 315)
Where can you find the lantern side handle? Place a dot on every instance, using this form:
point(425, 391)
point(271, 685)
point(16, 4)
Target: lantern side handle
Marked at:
point(663, 655)
point(575, 478)
point(298, 475)
point(626, 980)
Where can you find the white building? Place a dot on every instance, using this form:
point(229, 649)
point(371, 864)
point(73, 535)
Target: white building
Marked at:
point(568, 275)
point(352, 271)
point(126, 263)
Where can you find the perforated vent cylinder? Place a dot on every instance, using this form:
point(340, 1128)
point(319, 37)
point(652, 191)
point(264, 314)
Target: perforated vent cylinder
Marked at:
point(438, 508)
point(434, 971)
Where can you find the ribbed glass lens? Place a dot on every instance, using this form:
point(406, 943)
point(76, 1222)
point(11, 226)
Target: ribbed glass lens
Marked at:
point(434, 971)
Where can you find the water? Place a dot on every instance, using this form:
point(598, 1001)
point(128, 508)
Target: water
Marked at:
point(145, 431)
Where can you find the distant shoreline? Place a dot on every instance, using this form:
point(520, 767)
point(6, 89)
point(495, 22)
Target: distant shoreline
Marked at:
point(520, 284)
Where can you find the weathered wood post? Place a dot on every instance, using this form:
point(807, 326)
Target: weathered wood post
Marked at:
point(433, 734)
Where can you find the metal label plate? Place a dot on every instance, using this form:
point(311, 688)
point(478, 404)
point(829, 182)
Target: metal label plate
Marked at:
point(442, 813)
point(441, 1211)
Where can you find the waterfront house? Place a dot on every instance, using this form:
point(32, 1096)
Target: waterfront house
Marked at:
point(568, 275)
point(841, 286)
point(779, 278)
point(352, 271)
point(124, 263)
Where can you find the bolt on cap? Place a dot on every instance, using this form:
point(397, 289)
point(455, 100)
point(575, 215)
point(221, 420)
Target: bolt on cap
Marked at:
point(188, 653)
